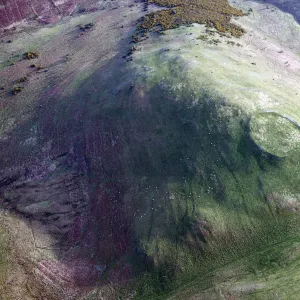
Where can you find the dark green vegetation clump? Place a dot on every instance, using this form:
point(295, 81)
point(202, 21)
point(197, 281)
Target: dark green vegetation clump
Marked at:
point(16, 90)
point(86, 26)
point(213, 13)
point(22, 79)
point(31, 55)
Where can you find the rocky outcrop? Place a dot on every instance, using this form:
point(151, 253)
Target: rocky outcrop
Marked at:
point(46, 11)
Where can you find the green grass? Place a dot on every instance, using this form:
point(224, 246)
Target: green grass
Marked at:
point(275, 133)
point(202, 166)
point(4, 263)
point(271, 273)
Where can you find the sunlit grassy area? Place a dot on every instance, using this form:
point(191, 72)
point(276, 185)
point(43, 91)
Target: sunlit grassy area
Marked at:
point(274, 133)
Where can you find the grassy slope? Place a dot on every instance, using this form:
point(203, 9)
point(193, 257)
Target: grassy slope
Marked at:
point(269, 274)
point(216, 185)
point(223, 184)
point(4, 263)
point(201, 191)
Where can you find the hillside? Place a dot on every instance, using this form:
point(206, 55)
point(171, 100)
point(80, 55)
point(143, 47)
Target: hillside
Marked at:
point(152, 151)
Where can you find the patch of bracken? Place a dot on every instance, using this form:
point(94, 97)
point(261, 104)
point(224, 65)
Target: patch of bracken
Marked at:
point(212, 13)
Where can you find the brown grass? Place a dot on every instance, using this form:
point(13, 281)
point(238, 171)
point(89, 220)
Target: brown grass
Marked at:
point(213, 13)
